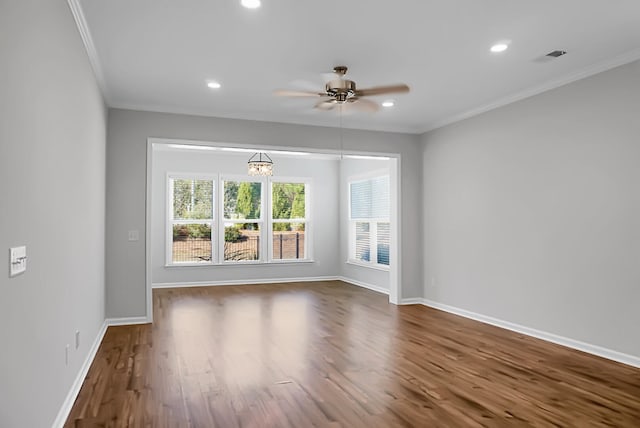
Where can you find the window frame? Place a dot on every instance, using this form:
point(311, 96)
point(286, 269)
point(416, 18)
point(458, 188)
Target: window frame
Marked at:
point(373, 224)
point(218, 219)
point(170, 221)
point(307, 220)
point(261, 221)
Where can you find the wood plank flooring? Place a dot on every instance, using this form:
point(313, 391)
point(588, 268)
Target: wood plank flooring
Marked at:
point(329, 354)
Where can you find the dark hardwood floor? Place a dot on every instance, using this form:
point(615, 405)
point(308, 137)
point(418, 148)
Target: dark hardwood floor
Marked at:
point(335, 355)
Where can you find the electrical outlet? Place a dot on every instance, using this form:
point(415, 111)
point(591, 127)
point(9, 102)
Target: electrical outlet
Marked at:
point(66, 355)
point(77, 339)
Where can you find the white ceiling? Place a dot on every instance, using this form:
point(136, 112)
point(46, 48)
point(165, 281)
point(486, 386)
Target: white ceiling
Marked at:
point(158, 54)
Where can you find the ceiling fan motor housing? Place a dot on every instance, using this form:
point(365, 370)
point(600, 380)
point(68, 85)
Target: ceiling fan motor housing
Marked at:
point(341, 89)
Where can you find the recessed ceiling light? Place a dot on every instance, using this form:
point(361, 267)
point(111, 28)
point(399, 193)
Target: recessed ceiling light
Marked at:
point(388, 103)
point(213, 85)
point(499, 47)
point(250, 4)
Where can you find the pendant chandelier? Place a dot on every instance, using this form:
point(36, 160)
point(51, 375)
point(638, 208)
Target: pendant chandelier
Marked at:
point(260, 164)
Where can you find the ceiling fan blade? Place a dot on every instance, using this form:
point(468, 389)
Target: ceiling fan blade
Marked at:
point(360, 104)
point(289, 93)
point(328, 104)
point(381, 90)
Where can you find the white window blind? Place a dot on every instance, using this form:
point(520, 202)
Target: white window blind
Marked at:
point(384, 240)
point(370, 198)
point(363, 241)
point(370, 208)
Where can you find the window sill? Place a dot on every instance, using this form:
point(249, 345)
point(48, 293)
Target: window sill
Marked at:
point(236, 264)
point(375, 266)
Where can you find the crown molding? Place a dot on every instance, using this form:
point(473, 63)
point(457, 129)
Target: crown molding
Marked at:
point(83, 28)
point(591, 70)
point(266, 118)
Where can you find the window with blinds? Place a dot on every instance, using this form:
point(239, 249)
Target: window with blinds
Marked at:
point(369, 212)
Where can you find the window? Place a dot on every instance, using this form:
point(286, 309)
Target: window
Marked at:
point(369, 212)
point(191, 220)
point(288, 220)
point(261, 220)
point(242, 220)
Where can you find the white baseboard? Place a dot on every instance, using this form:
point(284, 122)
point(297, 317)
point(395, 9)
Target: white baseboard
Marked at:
point(70, 399)
point(266, 281)
point(364, 285)
point(412, 301)
point(241, 282)
point(549, 337)
point(126, 321)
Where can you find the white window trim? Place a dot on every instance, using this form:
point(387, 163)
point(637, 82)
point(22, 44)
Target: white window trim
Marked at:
point(373, 222)
point(375, 266)
point(170, 221)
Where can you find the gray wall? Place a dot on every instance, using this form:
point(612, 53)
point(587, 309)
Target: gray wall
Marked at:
point(126, 177)
point(52, 170)
point(323, 225)
point(350, 168)
point(532, 212)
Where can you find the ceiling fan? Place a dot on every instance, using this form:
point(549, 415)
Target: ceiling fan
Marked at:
point(343, 92)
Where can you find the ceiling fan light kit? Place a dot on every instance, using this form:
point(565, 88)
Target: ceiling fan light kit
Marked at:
point(340, 89)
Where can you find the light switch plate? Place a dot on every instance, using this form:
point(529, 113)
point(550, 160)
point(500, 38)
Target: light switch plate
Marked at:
point(17, 260)
point(134, 235)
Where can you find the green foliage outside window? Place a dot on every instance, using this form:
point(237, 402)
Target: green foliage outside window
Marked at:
point(288, 202)
point(192, 199)
point(249, 200)
point(230, 198)
point(191, 231)
point(242, 200)
point(232, 234)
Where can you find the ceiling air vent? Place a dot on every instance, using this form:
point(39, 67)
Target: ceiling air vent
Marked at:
point(556, 54)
